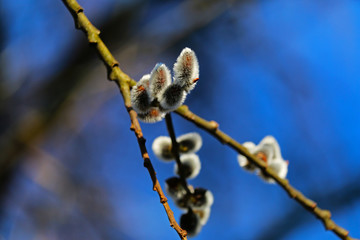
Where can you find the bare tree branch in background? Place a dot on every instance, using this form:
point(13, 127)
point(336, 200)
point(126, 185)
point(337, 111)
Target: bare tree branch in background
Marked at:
point(52, 175)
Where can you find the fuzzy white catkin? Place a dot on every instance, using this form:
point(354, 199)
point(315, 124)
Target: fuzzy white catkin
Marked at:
point(174, 188)
point(161, 147)
point(172, 98)
point(152, 116)
point(191, 223)
point(270, 147)
point(160, 78)
point(210, 198)
point(193, 138)
point(204, 215)
point(206, 201)
point(242, 160)
point(140, 95)
point(191, 160)
point(279, 167)
point(186, 69)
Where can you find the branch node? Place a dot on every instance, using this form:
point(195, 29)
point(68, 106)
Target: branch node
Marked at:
point(92, 38)
point(183, 233)
point(77, 9)
point(293, 195)
point(93, 34)
point(129, 108)
point(112, 74)
point(329, 225)
point(185, 107)
point(214, 125)
point(163, 199)
point(115, 64)
point(326, 214)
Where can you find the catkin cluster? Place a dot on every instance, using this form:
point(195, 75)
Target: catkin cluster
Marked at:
point(268, 150)
point(157, 93)
point(196, 202)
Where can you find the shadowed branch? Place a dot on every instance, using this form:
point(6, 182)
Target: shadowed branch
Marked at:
point(175, 150)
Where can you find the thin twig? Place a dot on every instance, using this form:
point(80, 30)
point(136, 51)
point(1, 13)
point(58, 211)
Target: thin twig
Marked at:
point(175, 151)
point(213, 128)
point(123, 81)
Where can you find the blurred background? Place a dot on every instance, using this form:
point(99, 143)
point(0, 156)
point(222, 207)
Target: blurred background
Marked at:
point(70, 167)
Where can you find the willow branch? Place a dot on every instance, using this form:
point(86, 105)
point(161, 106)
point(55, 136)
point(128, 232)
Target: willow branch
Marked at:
point(123, 81)
point(175, 151)
point(213, 128)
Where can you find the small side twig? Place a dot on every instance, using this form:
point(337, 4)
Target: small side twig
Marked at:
point(175, 151)
point(213, 128)
point(123, 81)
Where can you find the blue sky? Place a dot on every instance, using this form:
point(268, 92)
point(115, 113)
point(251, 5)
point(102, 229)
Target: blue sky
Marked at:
point(284, 68)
